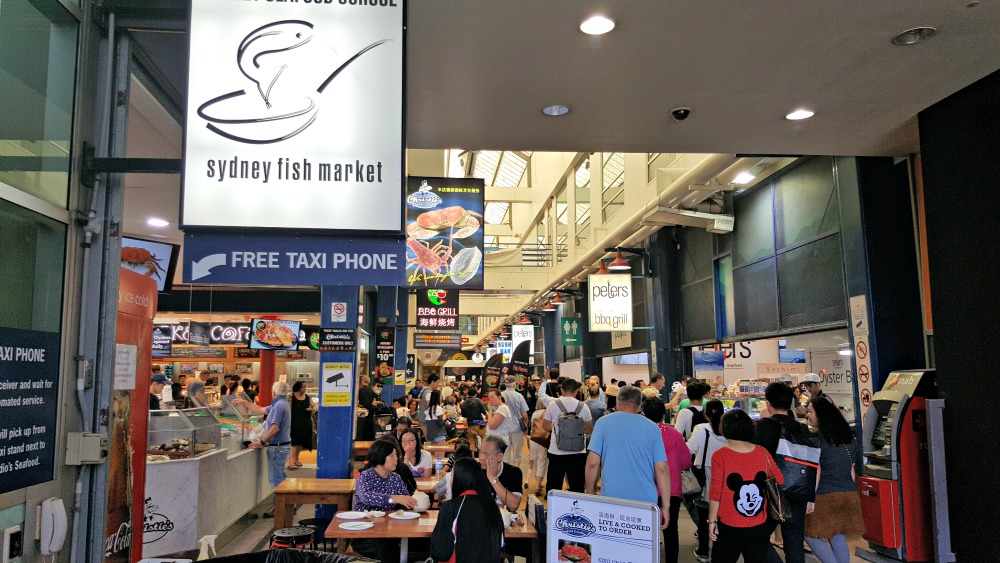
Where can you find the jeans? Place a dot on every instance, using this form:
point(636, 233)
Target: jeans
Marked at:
point(572, 467)
point(752, 543)
point(834, 550)
point(671, 540)
point(276, 458)
point(514, 449)
point(703, 539)
point(793, 535)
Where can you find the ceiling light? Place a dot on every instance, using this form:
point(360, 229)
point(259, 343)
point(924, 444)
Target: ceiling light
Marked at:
point(844, 352)
point(157, 222)
point(744, 178)
point(557, 300)
point(555, 110)
point(619, 264)
point(597, 25)
point(603, 269)
point(550, 307)
point(800, 113)
point(914, 36)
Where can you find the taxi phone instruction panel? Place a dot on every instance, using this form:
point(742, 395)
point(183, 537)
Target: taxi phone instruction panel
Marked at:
point(29, 376)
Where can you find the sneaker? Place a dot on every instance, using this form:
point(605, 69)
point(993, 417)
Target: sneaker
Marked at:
point(701, 558)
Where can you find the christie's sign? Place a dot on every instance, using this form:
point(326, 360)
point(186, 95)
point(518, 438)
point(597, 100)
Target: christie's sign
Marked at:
point(610, 298)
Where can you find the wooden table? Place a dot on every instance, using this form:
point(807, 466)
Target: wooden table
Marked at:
point(322, 491)
point(361, 448)
point(423, 527)
point(294, 491)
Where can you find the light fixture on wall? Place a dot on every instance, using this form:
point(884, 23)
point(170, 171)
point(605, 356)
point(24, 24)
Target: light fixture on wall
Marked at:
point(524, 320)
point(603, 270)
point(619, 264)
point(557, 300)
point(550, 307)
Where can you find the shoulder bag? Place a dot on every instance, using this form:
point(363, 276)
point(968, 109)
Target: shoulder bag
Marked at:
point(797, 457)
point(539, 434)
point(699, 470)
point(777, 505)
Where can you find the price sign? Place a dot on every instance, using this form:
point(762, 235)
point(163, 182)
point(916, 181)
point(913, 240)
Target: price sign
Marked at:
point(385, 352)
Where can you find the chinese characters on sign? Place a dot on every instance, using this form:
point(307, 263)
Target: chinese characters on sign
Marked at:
point(437, 308)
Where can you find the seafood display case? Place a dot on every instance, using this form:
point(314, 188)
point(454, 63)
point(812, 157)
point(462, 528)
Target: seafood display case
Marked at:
point(186, 433)
point(237, 421)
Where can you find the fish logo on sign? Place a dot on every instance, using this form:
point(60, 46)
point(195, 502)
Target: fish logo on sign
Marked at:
point(282, 103)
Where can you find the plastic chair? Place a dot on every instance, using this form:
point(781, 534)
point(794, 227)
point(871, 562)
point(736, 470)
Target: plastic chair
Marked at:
point(319, 525)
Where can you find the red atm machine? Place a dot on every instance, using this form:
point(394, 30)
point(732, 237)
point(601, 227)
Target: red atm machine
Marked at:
point(895, 490)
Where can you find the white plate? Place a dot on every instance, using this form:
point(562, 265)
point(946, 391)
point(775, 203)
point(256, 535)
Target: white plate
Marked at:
point(376, 513)
point(404, 516)
point(352, 515)
point(356, 525)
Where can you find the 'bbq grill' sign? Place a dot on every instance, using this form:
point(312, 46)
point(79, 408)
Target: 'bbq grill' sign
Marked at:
point(437, 309)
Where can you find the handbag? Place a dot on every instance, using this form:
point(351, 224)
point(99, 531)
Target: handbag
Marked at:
point(777, 505)
point(689, 483)
point(522, 423)
point(540, 435)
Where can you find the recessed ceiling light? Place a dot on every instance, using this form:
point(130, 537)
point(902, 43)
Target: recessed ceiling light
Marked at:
point(597, 25)
point(914, 36)
point(555, 110)
point(157, 222)
point(744, 178)
point(800, 113)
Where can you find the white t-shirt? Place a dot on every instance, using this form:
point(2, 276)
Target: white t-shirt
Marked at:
point(552, 413)
point(423, 469)
point(503, 430)
point(684, 421)
point(446, 392)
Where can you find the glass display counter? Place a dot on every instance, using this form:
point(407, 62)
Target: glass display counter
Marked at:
point(184, 433)
point(237, 421)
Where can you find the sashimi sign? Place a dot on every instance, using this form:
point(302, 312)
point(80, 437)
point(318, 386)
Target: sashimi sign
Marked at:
point(288, 260)
point(295, 115)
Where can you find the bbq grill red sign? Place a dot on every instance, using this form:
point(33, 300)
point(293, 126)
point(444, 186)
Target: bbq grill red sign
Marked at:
point(444, 232)
point(437, 309)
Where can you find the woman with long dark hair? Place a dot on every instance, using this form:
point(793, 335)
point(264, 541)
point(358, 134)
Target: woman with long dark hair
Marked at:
point(302, 429)
point(705, 440)
point(415, 457)
point(469, 527)
point(434, 418)
point(737, 513)
point(837, 510)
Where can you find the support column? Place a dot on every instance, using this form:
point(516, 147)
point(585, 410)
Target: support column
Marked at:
point(335, 423)
point(268, 369)
point(961, 164)
point(385, 308)
point(665, 305)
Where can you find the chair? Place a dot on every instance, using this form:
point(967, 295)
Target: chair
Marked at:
point(319, 525)
point(298, 537)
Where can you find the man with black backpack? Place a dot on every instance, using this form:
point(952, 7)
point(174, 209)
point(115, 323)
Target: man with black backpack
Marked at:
point(796, 454)
point(692, 416)
point(569, 420)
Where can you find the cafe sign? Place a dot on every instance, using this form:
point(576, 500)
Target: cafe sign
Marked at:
point(610, 302)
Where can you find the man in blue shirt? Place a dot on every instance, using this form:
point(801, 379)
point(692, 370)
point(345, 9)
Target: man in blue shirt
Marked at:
point(627, 450)
point(277, 437)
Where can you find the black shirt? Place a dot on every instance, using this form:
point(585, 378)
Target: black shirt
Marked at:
point(473, 409)
point(769, 431)
point(154, 402)
point(510, 478)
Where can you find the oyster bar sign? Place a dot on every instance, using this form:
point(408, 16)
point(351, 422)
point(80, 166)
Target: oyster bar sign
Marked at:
point(295, 115)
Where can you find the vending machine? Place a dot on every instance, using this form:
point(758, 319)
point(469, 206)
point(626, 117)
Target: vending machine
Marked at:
point(895, 489)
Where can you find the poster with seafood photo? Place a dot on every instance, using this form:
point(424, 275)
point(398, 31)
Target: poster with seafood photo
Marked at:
point(444, 232)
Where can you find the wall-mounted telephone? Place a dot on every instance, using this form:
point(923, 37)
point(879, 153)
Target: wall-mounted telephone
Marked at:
point(53, 526)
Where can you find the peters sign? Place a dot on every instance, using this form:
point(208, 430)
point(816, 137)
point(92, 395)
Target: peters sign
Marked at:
point(610, 298)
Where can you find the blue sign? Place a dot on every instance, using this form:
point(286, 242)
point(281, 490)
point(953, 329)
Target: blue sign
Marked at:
point(290, 260)
point(29, 388)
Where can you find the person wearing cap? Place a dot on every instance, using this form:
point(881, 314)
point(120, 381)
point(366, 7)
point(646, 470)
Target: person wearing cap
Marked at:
point(156, 385)
point(812, 383)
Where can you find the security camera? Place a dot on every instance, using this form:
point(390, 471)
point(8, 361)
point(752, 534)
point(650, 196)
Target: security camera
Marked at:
point(680, 114)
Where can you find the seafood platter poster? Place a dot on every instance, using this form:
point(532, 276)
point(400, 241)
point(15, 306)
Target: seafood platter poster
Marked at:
point(597, 529)
point(295, 116)
point(444, 232)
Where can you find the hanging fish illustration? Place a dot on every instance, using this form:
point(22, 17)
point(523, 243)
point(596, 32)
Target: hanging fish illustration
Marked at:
point(263, 56)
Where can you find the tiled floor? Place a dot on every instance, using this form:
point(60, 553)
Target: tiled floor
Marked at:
point(255, 537)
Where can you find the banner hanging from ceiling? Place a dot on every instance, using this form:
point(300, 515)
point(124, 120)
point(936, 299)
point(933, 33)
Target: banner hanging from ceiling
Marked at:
point(295, 116)
point(444, 232)
point(437, 308)
point(610, 302)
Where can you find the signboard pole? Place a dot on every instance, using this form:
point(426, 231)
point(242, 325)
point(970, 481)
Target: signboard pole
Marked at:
point(336, 420)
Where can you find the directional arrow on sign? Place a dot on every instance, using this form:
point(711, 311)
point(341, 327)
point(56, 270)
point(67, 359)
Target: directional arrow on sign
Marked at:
point(203, 267)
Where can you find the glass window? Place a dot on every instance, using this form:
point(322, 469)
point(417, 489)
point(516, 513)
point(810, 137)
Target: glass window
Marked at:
point(31, 281)
point(562, 223)
point(805, 202)
point(583, 207)
point(725, 320)
point(37, 72)
point(614, 184)
point(754, 234)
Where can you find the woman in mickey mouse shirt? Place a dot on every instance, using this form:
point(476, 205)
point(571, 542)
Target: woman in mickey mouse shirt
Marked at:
point(737, 514)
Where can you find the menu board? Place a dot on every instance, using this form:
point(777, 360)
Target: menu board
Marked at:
point(29, 378)
point(162, 342)
point(601, 529)
point(444, 232)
